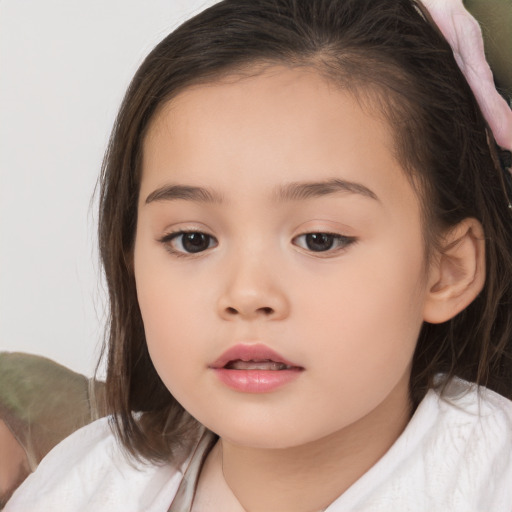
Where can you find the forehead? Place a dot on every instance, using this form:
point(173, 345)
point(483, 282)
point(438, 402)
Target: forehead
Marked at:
point(279, 125)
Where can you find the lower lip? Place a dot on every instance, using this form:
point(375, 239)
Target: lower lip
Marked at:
point(256, 381)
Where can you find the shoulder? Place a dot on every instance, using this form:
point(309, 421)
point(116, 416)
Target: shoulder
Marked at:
point(89, 471)
point(480, 418)
point(455, 454)
point(466, 454)
point(469, 450)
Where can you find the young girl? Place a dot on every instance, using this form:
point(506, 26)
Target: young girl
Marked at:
point(307, 237)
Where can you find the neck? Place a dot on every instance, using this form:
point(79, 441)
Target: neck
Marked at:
point(309, 477)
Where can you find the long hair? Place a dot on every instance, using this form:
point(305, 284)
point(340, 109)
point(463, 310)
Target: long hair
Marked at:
point(391, 55)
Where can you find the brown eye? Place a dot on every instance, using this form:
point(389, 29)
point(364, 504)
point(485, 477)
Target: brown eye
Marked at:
point(319, 241)
point(322, 242)
point(195, 242)
point(190, 242)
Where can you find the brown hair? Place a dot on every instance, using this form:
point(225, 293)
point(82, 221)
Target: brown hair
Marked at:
point(388, 48)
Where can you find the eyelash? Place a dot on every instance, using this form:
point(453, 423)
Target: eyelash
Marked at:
point(167, 240)
point(341, 241)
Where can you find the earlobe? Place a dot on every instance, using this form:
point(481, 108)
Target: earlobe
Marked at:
point(457, 275)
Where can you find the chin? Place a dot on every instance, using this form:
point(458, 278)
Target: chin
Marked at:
point(266, 435)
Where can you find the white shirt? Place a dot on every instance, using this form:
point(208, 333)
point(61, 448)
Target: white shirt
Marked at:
point(455, 455)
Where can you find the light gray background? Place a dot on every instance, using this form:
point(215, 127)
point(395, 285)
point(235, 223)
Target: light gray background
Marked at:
point(64, 67)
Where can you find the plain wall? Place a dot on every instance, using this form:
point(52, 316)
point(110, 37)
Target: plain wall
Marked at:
point(64, 67)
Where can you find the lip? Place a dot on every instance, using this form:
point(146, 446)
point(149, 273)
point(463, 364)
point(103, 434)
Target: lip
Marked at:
point(246, 352)
point(254, 381)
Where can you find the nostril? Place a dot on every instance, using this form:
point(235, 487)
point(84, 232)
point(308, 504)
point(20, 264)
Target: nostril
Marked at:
point(267, 311)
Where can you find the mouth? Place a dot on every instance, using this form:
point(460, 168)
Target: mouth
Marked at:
point(253, 357)
point(254, 369)
point(266, 365)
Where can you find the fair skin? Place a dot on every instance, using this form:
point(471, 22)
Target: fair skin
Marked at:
point(346, 310)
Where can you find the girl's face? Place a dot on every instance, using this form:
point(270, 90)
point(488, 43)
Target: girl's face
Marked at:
point(273, 216)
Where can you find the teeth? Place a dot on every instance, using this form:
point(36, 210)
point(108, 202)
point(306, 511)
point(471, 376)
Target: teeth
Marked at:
point(256, 365)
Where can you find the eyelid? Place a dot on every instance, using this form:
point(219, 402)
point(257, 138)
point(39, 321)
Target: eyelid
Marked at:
point(345, 240)
point(166, 240)
point(341, 242)
point(173, 230)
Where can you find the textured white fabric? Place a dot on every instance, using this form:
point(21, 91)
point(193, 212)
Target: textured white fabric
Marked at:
point(88, 472)
point(455, 455)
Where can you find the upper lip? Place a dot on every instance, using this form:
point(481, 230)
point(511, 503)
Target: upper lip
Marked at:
point(251, 352)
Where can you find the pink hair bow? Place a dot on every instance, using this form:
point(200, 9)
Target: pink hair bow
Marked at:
point(464, 35)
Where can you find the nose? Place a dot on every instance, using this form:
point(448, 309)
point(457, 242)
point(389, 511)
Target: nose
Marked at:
point(251, 291)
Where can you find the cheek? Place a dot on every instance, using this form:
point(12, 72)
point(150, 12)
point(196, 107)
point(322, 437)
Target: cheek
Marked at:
point(169, 328)
point(165, 313)
point(162, 294)
point(370, 313)
point(161, 304)
point(174, 313)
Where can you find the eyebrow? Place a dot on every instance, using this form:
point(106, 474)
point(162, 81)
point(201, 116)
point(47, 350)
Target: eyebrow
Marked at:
point(301, 190)
point(186, 192)
point(288, 192)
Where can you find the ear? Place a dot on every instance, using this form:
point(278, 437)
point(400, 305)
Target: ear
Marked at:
point(457, 273)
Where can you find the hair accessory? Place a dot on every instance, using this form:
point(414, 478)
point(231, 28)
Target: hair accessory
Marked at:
point(464, 35)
